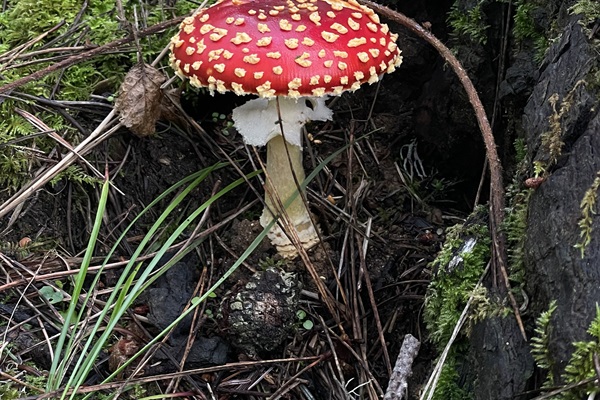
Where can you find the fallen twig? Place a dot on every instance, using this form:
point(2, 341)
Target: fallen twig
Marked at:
point(398, 384)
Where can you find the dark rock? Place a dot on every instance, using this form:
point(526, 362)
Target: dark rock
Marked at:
point(567, 63)
point(497, 345)
point(520, 76)
point(555, 268)
point(167, 297)
point(213, 351)
point(166, 300)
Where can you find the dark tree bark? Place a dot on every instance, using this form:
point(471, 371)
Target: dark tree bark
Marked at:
point(555, 268)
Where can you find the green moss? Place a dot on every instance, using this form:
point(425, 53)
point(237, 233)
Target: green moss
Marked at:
point(581, 367)
point(588, 9)
point(468, 23)
point(448, 387)
point(459, 266)
point(525, 29)
point(97, 24)
point(8, 392)
point(13, 390)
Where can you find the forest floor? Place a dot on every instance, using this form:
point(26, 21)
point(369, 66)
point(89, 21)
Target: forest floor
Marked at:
point(382, 208)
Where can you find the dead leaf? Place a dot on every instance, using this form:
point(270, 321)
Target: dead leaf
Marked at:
point(121, 352)
point(140, 98)
point(170, 109)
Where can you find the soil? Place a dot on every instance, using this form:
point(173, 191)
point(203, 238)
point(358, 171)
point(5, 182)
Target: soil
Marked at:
point(406, 231)
point(414, 169)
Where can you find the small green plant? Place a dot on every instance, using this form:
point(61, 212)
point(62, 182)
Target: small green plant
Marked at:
point(75, 174)
point(469, 23)
point(589, 11)
point(539, 168)
point(540, 340)
point(515, 223)
point(520, 146)
point(216, 117)
point(525, 28)
point(588, 210)
point(51, 295)
point(551, 139)
point(224, 124)
point(271, 262)
point(448, 387)
point(515, 226)
point(306, 323)
point(582, 367)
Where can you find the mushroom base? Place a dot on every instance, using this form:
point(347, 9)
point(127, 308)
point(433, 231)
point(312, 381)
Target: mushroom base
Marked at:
point(305, 230)
point(285, 172)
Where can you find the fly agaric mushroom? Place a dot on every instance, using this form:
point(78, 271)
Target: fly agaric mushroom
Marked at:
point(292, 54)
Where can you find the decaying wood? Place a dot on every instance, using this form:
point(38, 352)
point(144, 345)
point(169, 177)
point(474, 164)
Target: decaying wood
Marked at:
point(398, 384)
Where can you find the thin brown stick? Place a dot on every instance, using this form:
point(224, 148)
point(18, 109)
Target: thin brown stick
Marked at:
point(497, 194)
point(367, 277)
point(85, 56)
point(20, 382)
point(288, 385)
point(197, 371)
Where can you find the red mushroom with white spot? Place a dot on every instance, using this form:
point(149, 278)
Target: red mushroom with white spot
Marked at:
point(287, 52)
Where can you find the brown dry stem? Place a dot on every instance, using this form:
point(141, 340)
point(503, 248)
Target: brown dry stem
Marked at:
point(497, 194)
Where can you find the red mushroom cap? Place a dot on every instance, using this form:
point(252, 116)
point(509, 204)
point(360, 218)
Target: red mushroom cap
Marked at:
point(284, 48)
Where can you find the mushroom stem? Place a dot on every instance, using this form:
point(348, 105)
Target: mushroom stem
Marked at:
point(278, 123)
point(281, 186)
